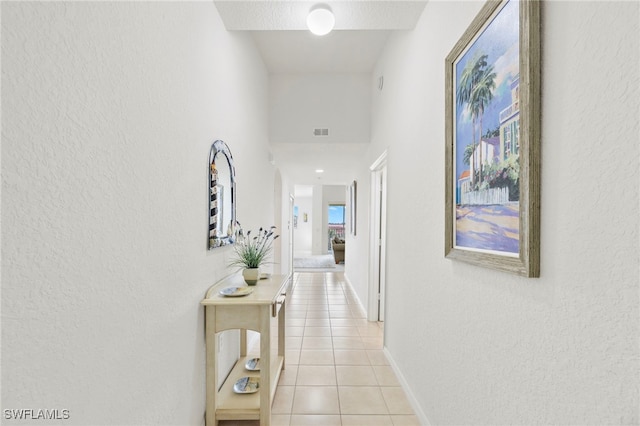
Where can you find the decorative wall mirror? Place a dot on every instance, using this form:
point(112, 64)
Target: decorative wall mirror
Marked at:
point(222, 196)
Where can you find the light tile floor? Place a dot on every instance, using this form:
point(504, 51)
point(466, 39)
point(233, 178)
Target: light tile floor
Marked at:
point(336, 372)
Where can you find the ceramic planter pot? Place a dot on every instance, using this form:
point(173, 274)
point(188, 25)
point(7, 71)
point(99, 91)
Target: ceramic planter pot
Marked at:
point(251, 275)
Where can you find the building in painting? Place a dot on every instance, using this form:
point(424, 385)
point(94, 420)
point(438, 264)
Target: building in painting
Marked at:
point(510, 123)
point(488, 151)
point(464, 185)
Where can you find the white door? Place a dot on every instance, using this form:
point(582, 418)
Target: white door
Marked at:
point(378, 245)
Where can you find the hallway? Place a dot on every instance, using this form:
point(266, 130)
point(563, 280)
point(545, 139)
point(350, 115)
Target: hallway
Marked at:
point(336, 372)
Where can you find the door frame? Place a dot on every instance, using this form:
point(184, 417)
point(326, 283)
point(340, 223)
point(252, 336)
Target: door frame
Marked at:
point(377, 239)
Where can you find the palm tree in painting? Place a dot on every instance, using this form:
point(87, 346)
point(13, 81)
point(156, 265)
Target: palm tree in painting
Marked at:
point(466, 85)
point(480, 98)
point(468, 153)
point(475, 89)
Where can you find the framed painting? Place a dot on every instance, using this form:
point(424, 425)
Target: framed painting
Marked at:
point(492, 201)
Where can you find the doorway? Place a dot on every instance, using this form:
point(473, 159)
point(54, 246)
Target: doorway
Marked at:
point(336, 223)
point(378, 239)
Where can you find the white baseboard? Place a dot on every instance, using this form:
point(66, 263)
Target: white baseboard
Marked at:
point(346, 278)
point(422, 417)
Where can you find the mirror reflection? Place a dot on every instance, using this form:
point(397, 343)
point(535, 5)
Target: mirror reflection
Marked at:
point(222, 218)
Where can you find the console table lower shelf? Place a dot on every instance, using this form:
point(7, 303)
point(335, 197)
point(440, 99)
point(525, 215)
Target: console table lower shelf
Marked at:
point(234, 406)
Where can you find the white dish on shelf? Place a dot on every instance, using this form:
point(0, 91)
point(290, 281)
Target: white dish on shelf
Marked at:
point(236, 291)
point(264, 275)
point(247, 385)
point(252, 364)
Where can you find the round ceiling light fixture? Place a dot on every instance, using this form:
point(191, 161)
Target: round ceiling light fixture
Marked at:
point(320, 20)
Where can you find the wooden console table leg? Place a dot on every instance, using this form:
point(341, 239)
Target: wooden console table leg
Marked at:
point(281, 333)
point(265, 366)
point(211, 370)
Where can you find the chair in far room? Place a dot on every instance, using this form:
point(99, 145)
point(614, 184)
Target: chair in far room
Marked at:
point(337, 245)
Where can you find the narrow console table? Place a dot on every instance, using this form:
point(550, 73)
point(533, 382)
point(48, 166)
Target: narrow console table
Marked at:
point(251, 312)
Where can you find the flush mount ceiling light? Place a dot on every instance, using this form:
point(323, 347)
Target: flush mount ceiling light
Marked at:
point(320, 20)
point(319, 171)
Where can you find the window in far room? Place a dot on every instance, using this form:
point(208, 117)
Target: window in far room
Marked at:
point(336, 225)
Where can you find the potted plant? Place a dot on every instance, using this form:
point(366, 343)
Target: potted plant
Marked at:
point(252, 252)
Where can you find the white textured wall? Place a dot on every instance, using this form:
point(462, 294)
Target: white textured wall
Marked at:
point(356, 264)
point(316, 233)
point(303, 234)
point(299, 103)
point(477, 346)
point(108, 112)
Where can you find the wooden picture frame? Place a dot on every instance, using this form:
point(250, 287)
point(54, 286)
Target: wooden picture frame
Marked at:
point(353, 200)
point(492, 150)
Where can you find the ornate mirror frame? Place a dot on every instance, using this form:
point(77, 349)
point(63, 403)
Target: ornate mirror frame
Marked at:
point(219, 236)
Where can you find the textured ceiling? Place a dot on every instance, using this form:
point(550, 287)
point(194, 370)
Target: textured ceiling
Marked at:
point(303, 52)
point(279, 29)
point(292, 15)
point(301, 160)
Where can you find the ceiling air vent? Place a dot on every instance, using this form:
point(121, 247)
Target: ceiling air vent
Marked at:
point(320, 132)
